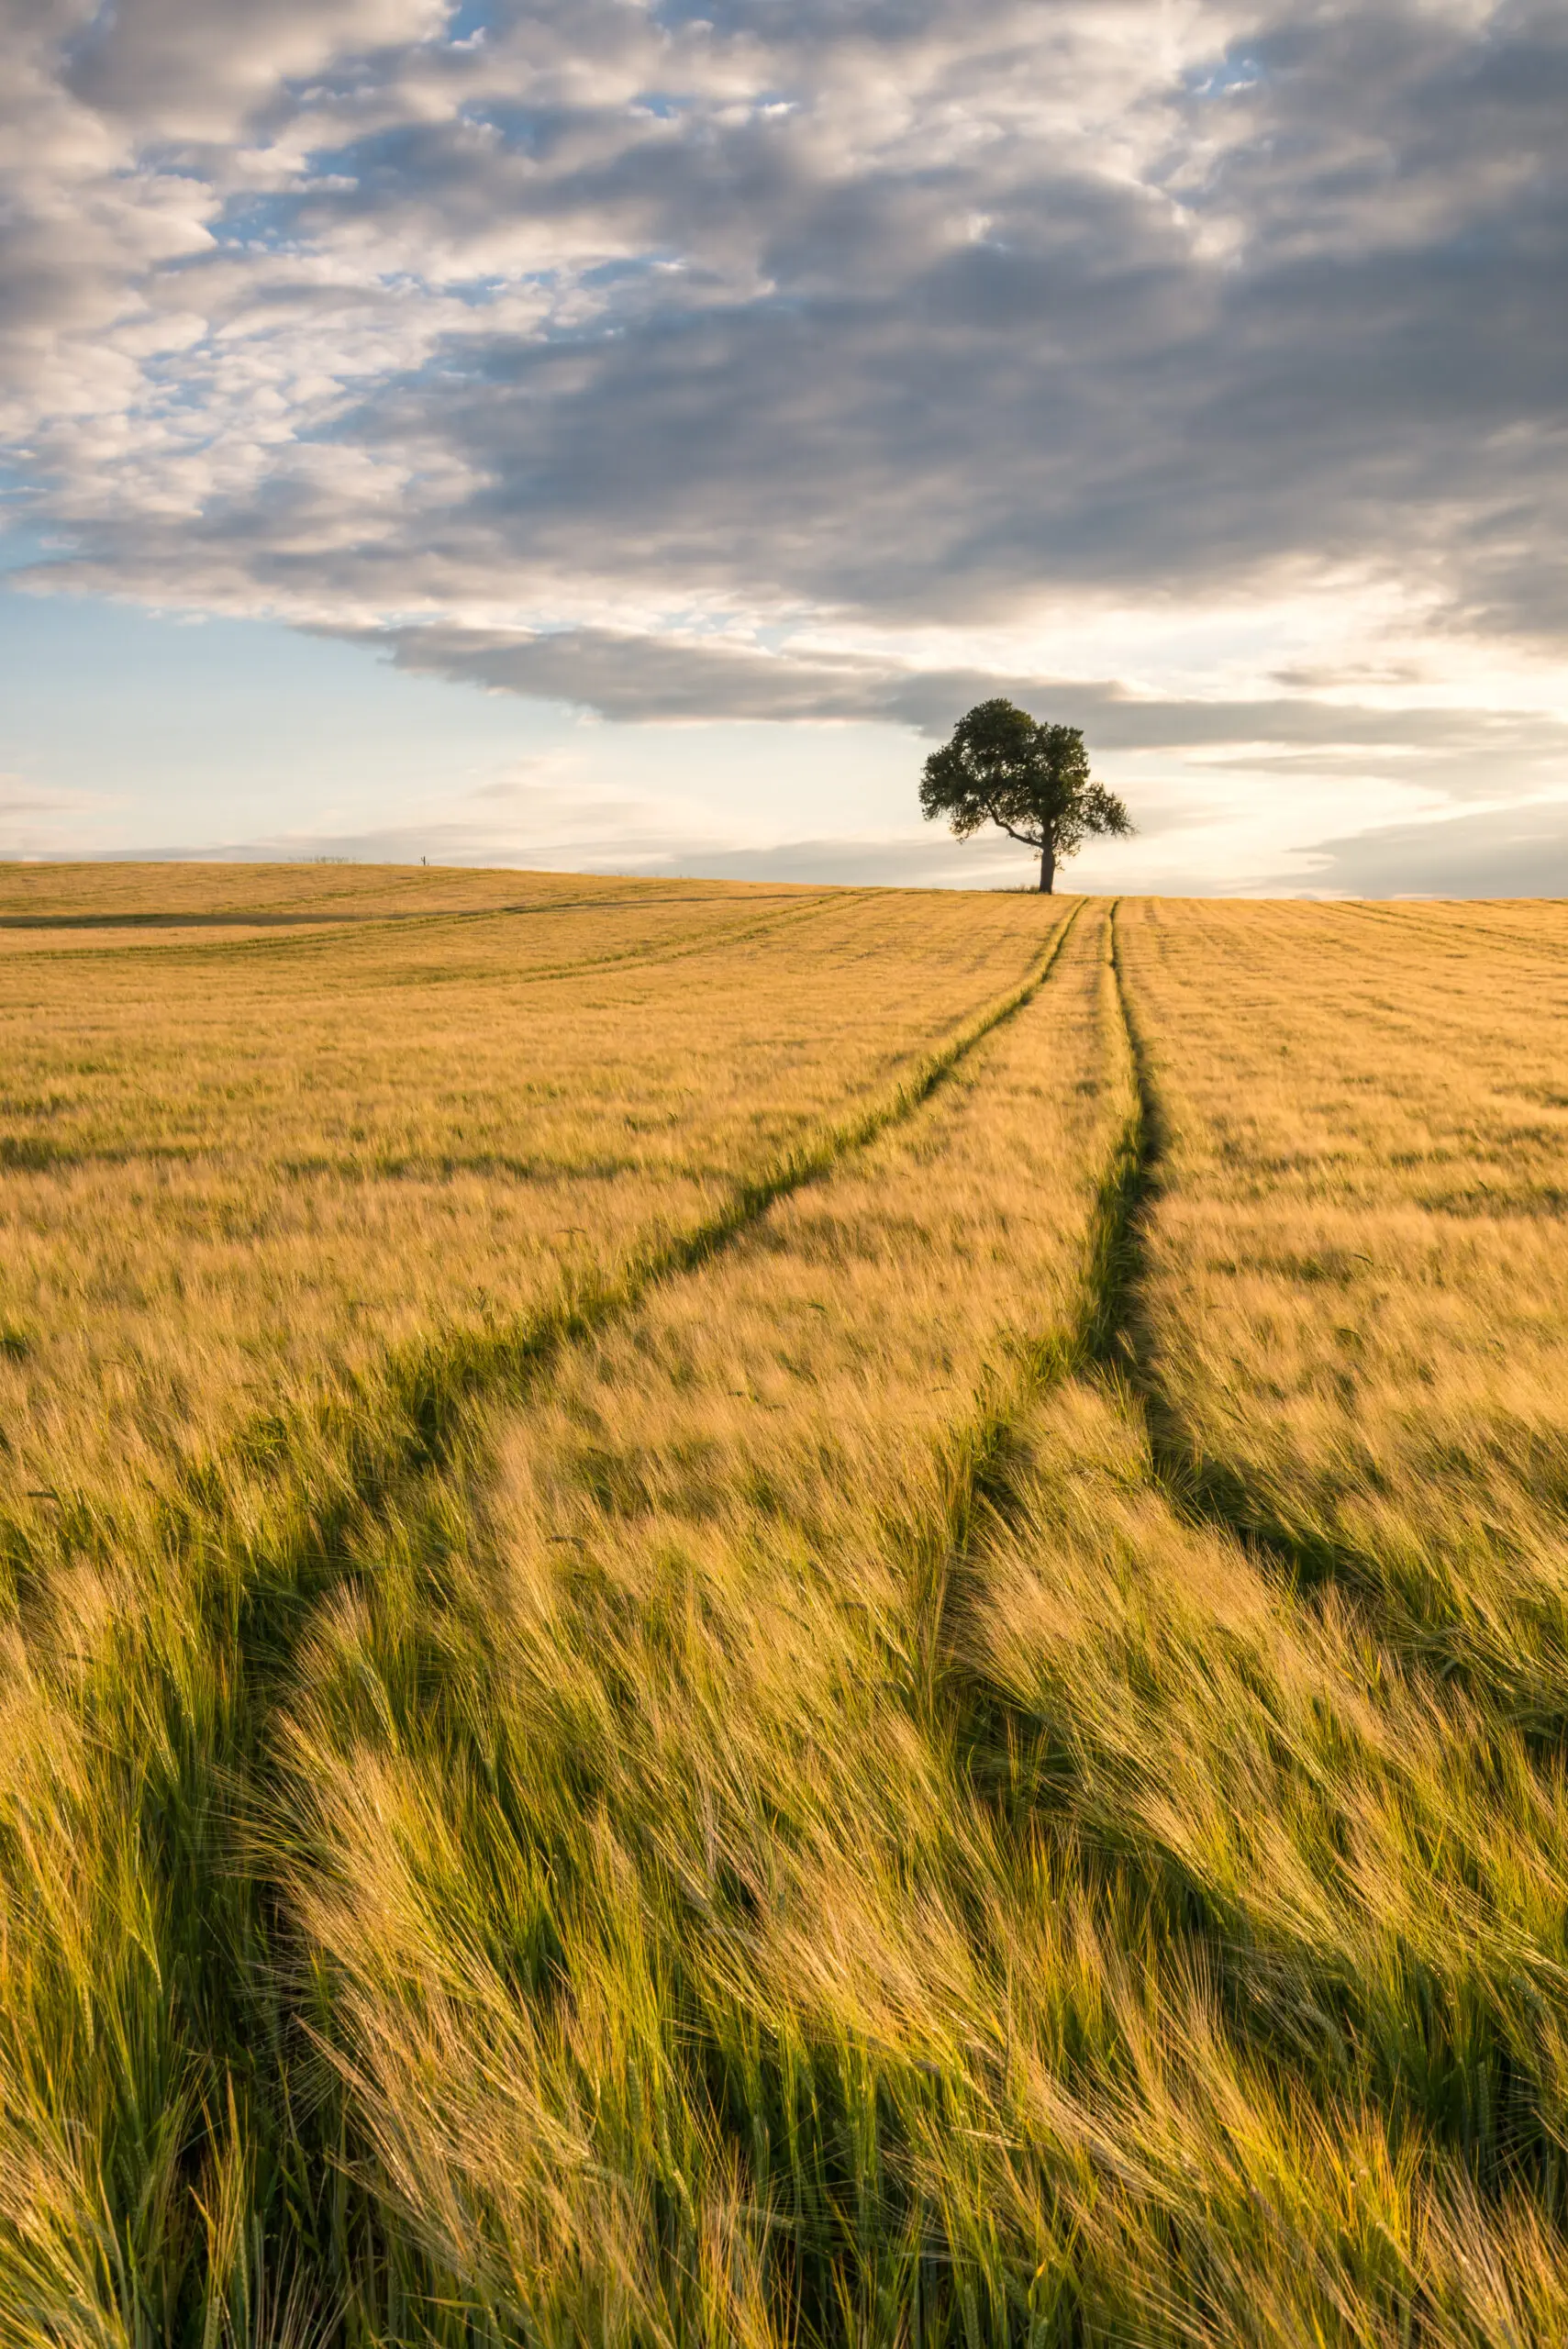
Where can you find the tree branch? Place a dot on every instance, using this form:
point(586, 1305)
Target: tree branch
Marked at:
point(1024, 840)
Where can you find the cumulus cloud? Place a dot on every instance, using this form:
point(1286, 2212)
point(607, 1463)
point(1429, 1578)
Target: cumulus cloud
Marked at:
point(681, 360)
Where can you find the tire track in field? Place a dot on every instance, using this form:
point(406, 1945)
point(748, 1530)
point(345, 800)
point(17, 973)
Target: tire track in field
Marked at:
point(437, 1379)
point(421, 1383)
point(984, 1447)
point(1209, 1489)
point(235, 2024)
point(1194, 1485)
point(434, 1516)
point(1020, 1768)
point(1110, 1341)
point(432, 1385)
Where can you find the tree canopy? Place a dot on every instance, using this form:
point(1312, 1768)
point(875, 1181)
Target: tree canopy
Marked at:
point(1028, 778)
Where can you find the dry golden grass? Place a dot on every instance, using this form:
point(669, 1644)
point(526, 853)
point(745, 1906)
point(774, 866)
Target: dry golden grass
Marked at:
point(952, 1735)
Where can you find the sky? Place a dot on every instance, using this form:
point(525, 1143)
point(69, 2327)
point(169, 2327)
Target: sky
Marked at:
point(627, 434)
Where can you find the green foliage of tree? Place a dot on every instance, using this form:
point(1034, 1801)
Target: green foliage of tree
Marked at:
point(1030, 779)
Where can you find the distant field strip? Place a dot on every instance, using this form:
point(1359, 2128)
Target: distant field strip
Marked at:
point(877, 1655)
point(155, 939)
point(1534, 924)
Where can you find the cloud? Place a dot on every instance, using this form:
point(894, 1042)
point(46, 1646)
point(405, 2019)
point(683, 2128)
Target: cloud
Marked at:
point(1512, 852)
point(173, 73)
point(686, 361)
point(1469, 753)
point(34, 819)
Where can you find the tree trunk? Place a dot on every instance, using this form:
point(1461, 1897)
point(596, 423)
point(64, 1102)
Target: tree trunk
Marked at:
point(1047, 868)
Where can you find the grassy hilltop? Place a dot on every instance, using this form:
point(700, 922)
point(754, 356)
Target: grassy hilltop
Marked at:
point(779, 1617)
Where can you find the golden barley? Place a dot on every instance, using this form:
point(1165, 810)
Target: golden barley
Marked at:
point(779, 1617)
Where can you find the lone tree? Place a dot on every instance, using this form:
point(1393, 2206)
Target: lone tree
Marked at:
point(1032, 780)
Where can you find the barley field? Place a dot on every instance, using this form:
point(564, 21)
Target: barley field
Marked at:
point(779, 1617)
